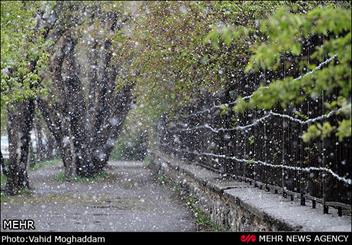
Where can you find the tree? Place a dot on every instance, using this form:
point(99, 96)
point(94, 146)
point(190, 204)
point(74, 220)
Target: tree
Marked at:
point(286, 33)
point(83, 110)
point(22, 54)
point(176, 64)
point(77, 98)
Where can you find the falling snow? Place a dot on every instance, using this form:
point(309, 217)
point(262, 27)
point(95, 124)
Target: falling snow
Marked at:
point(94, 94)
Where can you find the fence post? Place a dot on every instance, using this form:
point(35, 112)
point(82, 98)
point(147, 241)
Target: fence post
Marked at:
point(301, 174)
point(326, 208)
point(284, 194)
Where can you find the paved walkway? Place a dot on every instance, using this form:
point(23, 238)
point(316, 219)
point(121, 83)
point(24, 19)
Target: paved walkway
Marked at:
point(127, 200)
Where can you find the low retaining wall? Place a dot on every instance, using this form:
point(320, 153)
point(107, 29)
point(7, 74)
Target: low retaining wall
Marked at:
point(239, 206)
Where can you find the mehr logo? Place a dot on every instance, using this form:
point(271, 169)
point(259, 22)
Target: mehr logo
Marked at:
point(248, 238)
point(18, 224)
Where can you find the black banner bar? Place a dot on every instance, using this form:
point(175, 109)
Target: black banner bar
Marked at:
point(200, 237)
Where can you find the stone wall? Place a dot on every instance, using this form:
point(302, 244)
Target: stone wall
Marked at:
point(239, 206)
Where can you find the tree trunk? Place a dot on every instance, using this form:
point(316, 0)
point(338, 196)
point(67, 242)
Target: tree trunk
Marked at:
point(60, 130)
point(40, 149)
point(4, 168)
point(51, 146)
point(20, 118)
point(85, 127)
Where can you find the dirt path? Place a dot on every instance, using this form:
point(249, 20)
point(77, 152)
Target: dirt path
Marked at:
point(127, 200)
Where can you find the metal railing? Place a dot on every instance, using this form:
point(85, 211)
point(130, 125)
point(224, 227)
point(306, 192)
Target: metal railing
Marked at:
point(265, 148)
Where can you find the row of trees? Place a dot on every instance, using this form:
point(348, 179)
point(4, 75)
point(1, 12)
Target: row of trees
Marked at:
point(57, 57)
point(84, 65)
point(186, 49)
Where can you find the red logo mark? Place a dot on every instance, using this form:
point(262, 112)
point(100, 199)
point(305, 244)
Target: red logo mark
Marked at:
point(248, 238)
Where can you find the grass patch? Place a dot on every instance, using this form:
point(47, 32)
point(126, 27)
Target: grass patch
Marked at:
point(24, 192)
point(162, 179)
point(3, 179)
point(100, 176)
point(4, 197)
point(202, 218)
point(43, 164)
point(148, 160)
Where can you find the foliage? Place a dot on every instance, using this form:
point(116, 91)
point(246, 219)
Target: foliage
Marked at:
point(168, 61)
point(100, 176)
point(21, 193)
point(202, 218)
point(285, 35)
point(344, 129)
point(129, 148)
point(45, 163)
point(148, 160)
point(23, 52)
point(318, 130)
point(174, 51)
point(251, 140)
point(2, 179)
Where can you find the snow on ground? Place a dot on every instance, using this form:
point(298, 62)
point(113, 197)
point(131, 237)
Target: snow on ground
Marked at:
point(128, 200)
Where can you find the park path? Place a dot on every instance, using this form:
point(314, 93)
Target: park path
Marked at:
point(128, 199)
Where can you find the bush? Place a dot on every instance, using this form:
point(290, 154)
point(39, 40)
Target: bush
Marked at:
point(130, 147)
